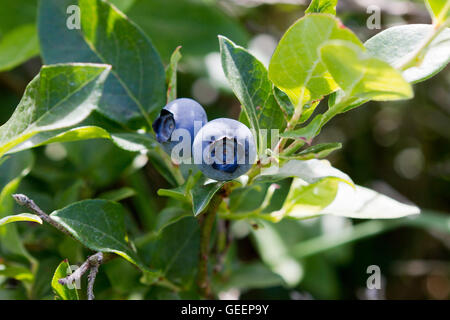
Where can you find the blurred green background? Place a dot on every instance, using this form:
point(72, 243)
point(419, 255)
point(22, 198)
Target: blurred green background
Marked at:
point(401, 149)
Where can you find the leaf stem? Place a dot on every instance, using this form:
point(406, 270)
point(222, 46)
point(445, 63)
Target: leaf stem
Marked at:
point(205, 237)
point(293, 147)
point(23, 200)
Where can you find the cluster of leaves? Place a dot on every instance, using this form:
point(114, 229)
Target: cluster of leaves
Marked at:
point(106, 80)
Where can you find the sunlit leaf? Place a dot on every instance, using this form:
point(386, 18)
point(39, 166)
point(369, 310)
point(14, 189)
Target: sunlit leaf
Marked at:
point(395, 44)
point(322, 6)
point(439, 10)
point(309, 171)
point(296, 67)
point(28, 217)
point(308, 200)
point(364, 203)
point(361, 75)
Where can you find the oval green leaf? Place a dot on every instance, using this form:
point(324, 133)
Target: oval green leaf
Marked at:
point(395, 44)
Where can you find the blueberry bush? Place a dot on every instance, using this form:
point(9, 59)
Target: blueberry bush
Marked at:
point(87, 157)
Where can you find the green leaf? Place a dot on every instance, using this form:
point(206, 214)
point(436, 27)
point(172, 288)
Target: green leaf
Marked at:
point(430, 220)
point(248, 78)
point(12, 170)
point(15, 167)
point(135, 89)
point(439, 10)
point(194, 25)
point(62, 135)
point(123, 5)
point(309, 171)
point(328, 241)
point(88, 160)
point(20, 217)
point(203, 192)
point(183, 192)
point(285, 104)
point(306, 133)
point(63, 292)
point(118, 195)
point(274, 252)
point(328, 196)
point(296, 67)
point(59, 97)
point(179, 193)
point(364, 203)
point(426, 220)
point(171, 75)
point(396, 44)
point(17, 272)
point(322, 6)
point(248, 198)
point(18, 34)
point(363, 76)
point(103, 128)
point(308, 200)
point(15, 14)
point(198, 190)
point(317, 151)
point(169, 216)
point(99, 225)
point(18, 46)
point(174, 252)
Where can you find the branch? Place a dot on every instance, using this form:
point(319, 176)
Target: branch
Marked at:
point(92, 263)
point(23, 200)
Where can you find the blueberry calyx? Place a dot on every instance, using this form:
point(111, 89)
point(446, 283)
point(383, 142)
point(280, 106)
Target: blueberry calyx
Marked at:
point(229, 144)
point(164, 126)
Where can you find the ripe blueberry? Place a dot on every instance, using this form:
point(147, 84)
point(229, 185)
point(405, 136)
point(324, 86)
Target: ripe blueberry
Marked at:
point(179, 114)
point(224, 149)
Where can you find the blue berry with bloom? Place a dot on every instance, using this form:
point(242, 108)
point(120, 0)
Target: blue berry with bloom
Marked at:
point(180, 113)
point(224, 149)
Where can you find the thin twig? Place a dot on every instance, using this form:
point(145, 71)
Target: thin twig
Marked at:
point(91, 264)
point(95, 264)
point(23, 200)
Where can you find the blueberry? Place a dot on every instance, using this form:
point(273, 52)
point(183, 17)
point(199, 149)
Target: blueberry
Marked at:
point(179, 114)
point(224, 149)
